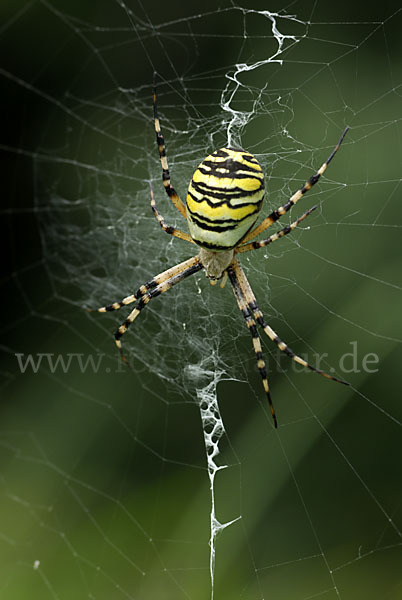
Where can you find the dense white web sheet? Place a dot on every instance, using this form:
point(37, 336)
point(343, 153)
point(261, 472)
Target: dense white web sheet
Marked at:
point(314, 508)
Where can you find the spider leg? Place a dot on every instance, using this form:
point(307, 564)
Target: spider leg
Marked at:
point(279, 212)
point(252, 306)
point(160, 140)
point(181, 271)
point(168, 228)
point(275, 236)
point(242, 304)
point(144, 289)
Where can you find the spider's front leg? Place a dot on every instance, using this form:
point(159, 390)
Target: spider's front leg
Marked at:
point(153, 288)
point(142, 290)
point(252, 314)
point(166, 280)
point(252, 306)
point(252, 327)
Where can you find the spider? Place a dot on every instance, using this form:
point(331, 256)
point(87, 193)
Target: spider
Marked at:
point(223, 202)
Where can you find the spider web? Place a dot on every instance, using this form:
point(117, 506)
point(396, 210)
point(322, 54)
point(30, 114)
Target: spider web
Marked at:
point(109, 474)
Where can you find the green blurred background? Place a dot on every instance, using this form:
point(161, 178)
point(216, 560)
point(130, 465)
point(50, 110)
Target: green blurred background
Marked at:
point(104, 487)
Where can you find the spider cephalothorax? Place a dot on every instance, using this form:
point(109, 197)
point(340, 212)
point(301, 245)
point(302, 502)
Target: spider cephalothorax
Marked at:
point(223, 202)
point(215, 263)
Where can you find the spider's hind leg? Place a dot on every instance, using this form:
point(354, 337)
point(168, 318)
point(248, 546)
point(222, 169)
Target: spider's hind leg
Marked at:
point(275, 236)
point(168, 228)
point(279, 212)
point(160, 141)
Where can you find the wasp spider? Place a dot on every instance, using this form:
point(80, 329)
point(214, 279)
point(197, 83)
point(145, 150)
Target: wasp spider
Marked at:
point(223, 202)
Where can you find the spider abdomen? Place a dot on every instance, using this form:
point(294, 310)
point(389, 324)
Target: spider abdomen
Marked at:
point(224, 198)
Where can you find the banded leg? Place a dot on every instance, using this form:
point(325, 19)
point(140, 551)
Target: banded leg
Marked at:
point(185, 269)
point(171, 192)
point(252, 306)
point(168, 228)
point(144, 289)
point(252, 327)
point(279, 212)
point(275, 236)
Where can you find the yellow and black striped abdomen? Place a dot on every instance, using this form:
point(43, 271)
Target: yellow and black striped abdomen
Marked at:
point(224, 198)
